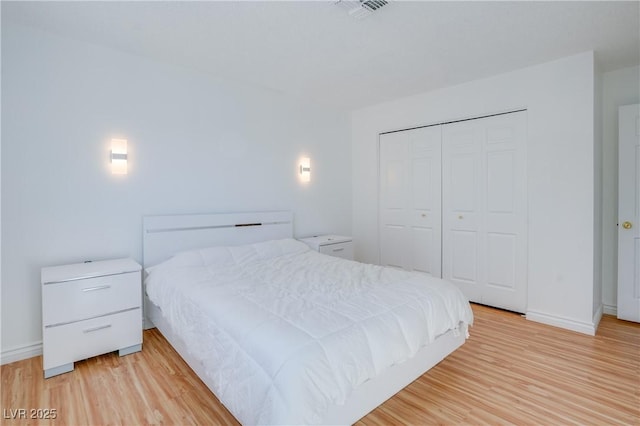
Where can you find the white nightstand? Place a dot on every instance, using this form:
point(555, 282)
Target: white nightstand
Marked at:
point(89, 309)
point(333, 245)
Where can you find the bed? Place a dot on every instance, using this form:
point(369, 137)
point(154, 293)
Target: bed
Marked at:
point(282, 334)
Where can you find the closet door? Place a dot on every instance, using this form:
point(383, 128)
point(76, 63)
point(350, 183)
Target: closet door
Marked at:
point(484, 209)
point(410, 200)
point(629, 213)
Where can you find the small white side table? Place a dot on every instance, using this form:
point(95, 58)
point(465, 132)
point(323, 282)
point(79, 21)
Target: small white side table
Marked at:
point(90, 309)
point(333, 245)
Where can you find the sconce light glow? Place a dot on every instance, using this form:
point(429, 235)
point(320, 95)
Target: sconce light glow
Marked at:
point(305, 169)
point(119, 156)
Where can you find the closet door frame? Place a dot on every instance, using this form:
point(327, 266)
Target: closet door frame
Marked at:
point(487, 278)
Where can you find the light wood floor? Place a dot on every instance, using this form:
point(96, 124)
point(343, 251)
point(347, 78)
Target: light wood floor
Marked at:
point(511, 371)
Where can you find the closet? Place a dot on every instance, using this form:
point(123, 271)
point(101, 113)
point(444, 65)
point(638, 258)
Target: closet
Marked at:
point(453, 204)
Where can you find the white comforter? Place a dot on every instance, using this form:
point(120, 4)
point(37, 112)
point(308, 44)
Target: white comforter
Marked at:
point(284, 331)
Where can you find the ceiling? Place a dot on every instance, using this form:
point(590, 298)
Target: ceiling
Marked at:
point(315, 50)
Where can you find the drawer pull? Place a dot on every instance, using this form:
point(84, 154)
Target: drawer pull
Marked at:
point(91, 330)
point(100, 287)
point(338, 249)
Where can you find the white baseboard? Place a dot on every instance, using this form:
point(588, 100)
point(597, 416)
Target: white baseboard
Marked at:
point(569, 324)
point(610, 310)
point(20, 353)
point(147, 324)
point(596, 319)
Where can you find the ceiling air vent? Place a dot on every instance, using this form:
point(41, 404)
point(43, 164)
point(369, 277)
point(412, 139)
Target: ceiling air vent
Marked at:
point(360, 9)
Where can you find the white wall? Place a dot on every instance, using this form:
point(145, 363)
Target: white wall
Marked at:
point(621, 87)
point(559, 97)
point(0, 195)
point(196, 144)
point(597, 309)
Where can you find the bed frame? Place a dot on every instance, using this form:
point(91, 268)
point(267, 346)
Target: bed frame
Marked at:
point(164, 236)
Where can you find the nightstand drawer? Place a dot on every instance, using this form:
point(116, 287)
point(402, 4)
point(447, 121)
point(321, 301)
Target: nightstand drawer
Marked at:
point(83, 339)
point(344, 249)
point(85, 298)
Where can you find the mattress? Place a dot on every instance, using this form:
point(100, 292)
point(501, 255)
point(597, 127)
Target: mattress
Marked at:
point(283, 332)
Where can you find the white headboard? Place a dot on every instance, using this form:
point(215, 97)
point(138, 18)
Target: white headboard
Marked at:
point(164, 236)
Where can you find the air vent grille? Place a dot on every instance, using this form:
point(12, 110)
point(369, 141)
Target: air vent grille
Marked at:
point(360, 9)
point(373, 5)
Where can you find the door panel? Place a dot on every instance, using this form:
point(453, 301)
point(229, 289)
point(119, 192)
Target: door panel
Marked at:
point(501, 260)
point(425, 204)
point(422, 184)
point(463, 178)
point(421, 250)
point(500, 132)
point(410, 200)
point(460, 189)
point(636, 256)
point(464, 259)
point(392, 249)
point(395, 182)
point(484, 191)
point(629, 213)
point(500, 174)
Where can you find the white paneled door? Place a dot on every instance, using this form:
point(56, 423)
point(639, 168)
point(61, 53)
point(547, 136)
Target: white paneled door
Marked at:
point(484, 209)
point(629, 213)
point(410, 200)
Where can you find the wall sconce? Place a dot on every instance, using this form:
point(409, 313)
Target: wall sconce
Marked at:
point(119, 156)
point(305, 169)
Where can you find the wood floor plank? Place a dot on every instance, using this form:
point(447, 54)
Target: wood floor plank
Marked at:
point(511, 371)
